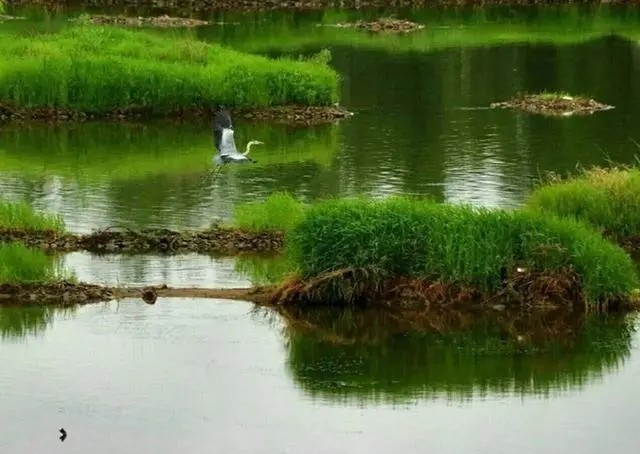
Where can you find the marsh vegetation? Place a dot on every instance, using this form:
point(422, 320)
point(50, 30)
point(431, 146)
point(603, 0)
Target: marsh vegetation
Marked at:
point(108, 71)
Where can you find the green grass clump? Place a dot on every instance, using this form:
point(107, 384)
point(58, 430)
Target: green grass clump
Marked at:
point(98, 69)
point(608, 199)
point(19, 265)
point(21, 215)
point(455, 244)
point(280, 211)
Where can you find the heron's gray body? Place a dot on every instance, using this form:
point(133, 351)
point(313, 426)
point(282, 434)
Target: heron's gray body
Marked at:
point(225, 142)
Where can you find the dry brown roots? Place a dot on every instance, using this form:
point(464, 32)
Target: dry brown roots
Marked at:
point(359, 287)
point(297, 115)
point(556, 106)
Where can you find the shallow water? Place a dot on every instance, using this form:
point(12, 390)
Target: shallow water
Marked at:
point(202, 375)
point(421, 123)
point(195, 374)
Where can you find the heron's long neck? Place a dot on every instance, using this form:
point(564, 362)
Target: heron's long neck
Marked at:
point(248, 149)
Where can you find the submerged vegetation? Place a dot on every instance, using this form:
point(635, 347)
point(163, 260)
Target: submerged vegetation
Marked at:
point(607, 199)
point(102, 70)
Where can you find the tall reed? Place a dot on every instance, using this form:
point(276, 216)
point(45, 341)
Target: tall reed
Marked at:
point(21, 215)
point(20, 264)
point(455, 244)
point(608, 199)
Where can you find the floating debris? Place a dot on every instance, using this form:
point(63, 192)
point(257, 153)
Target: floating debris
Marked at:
point(553, 104)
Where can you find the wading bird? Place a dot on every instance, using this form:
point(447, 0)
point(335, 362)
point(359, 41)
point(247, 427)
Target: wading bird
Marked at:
point(225, 143)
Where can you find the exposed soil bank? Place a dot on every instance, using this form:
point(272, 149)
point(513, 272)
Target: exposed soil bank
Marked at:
point(163, 21)
point(69, 293)
point(386, 25)
point(403, 297)
point(260, 5)
point(219, 241)
point(291, 115)
point(555, 105)
point(359, 287)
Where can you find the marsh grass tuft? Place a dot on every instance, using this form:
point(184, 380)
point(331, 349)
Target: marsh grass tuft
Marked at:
point(20, 265)
point(21, 216)
point(98, 69)
point(607, 199)
point(455, 244)
point(280, 211)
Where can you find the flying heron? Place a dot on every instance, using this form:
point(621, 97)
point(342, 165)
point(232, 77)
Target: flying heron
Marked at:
point(225, 143)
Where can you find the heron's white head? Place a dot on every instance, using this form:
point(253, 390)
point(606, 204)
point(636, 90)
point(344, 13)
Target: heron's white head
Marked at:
point(255, 142)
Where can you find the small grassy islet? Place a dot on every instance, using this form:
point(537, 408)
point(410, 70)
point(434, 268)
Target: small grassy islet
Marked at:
point(454, 244)
point(99, 69)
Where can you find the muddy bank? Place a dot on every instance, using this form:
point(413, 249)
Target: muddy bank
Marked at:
point(163, 21)
point(70, 293)
point(214, 241)
point(291, 115)
point(265, 5)
point(553, 105)
point(361, 287)
point(384, 25)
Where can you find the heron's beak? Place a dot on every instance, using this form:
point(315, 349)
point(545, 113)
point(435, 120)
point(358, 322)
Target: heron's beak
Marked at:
point(259, 143)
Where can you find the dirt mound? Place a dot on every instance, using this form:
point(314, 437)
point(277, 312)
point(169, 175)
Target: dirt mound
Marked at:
point(361, 287)
point(221, 241)
point(163, 21)
point(61, 293)
point(291, 115)
point(384, 25)
point(554, 105)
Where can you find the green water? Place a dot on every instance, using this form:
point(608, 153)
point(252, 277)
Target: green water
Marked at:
point(202, 375)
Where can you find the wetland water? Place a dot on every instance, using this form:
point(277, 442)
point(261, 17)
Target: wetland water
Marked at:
point(197, 375)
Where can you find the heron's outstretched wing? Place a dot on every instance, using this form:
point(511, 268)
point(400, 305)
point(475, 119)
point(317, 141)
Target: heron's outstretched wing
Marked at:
point(221, 121)
point(227, 143)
